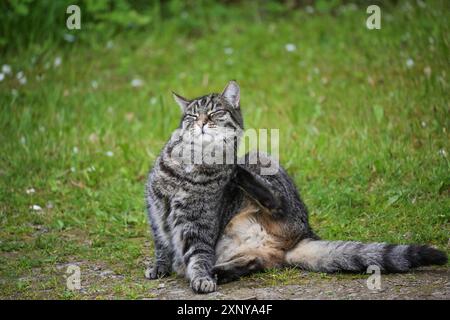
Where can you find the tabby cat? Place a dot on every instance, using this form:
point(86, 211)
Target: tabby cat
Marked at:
point(215, 222)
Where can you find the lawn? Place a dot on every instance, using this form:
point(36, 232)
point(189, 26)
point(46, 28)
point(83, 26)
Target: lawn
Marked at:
point(363, 117)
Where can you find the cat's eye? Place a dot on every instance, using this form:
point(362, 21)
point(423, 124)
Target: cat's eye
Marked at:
point(217, 114)
point(190, 116)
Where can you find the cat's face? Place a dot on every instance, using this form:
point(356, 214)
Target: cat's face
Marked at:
point(214, 118)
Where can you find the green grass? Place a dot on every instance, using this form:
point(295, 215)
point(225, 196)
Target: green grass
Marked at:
point(365, 137)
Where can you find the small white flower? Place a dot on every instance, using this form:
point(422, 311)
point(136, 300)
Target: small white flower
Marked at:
point(94, 84)
point(23, 80)
point(153, 100)
point(72, 169)
point(75, 150)
point(2, 76)
point(443, 153)
point(35, 207)
point(410, 63)
point(309, 9)
point(57, 62)
point(91, 169)
point(135, 83)
point(228, 51)
point(6, 69)
point(109, 153)
point(423, 124)
point(129, 116)
point(109, 44)
point(23, 140)
point(30, 191)
point(290, 47)
point(93, 137)
point(21, 77)
point(69, 37)
point(421, 4)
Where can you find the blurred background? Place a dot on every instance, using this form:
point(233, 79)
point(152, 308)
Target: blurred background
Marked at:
point(363, 118)
point(41, 21)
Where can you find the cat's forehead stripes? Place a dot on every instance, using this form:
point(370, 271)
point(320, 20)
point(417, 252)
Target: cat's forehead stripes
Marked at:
point(203, 104)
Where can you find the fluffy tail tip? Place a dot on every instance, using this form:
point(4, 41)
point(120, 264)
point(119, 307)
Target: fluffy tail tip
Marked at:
point(426, 255)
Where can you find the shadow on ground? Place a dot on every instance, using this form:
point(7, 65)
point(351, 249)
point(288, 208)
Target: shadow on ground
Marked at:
point(425, 283)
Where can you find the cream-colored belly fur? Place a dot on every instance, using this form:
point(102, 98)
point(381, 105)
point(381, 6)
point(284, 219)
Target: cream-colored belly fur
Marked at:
point(249, 235)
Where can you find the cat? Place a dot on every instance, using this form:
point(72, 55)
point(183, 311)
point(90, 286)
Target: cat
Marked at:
point(213, 222)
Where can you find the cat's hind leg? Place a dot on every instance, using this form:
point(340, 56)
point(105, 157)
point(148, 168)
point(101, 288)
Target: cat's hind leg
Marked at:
point(236, 268)
point(246, 246)
point(257, 189)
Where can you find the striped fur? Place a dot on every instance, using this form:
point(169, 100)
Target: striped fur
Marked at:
point(218, 222)
point(333, 256)
point(189, 204)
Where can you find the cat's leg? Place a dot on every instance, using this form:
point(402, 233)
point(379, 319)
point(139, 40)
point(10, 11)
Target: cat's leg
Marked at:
point(195, 232)
point(158, 209)
point(286, 215)
point(247, 245)
point(238, 267)
point(259, 190)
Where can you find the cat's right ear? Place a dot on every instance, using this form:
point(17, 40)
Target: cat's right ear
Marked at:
point(182, 102)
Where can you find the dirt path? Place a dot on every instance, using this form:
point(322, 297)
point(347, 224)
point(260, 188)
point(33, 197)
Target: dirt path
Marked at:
point(431, 283)
point(99, 282)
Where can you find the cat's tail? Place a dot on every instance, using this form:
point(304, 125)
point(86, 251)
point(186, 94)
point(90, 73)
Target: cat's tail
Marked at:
point(333, 256)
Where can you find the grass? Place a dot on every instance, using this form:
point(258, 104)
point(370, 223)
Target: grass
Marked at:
point(364, 133)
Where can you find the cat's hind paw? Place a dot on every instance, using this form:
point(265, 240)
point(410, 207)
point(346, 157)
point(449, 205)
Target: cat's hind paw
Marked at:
point(224, 274)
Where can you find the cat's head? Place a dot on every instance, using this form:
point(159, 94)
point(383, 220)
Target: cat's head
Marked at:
point(213, 117)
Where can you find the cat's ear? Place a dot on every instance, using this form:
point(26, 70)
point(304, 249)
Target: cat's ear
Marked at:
point(232, 93)
point(182, 102)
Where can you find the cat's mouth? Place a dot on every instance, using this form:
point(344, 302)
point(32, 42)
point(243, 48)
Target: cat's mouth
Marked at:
point(208, 137)
point(205, 138)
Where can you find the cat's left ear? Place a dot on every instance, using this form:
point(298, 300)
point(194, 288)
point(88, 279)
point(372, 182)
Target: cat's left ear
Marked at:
point(232, 93)
point(182, 102)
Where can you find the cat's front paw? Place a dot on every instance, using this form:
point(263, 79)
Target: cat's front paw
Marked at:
point(157, 271)
point(203, 285)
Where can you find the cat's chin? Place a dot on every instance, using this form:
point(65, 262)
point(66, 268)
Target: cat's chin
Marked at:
point(206, 138)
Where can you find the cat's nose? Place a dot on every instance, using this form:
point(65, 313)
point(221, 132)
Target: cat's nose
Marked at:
point(201, 121)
